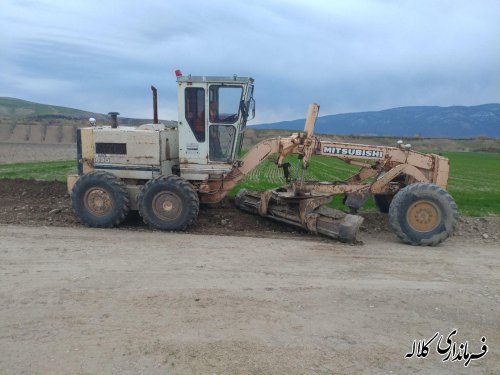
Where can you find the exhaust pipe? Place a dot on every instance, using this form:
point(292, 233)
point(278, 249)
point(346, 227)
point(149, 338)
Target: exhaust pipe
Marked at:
point(155, 104)
point(114, 119)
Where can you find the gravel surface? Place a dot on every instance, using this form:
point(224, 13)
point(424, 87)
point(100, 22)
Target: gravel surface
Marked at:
point(236, 294)
point(94, 301)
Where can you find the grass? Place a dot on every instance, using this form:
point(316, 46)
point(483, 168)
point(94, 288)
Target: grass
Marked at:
point(47, 170)
point(474, 179)
point(474, 182)
point(321, 168)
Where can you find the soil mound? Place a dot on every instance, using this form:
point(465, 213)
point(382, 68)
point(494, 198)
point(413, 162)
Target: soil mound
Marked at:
point(47, 203)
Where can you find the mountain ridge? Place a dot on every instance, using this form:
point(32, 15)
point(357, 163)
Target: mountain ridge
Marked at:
point(424, 121)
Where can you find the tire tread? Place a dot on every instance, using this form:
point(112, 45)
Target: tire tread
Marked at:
point(175, 182)
point(117, 187)
point(436, 192)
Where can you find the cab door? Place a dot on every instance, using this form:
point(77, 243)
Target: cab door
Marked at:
point(193, 146)
point(224, 102)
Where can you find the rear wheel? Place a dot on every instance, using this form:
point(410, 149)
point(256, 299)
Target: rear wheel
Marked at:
point(100, 199)
point(423, 214)
point(168, 203)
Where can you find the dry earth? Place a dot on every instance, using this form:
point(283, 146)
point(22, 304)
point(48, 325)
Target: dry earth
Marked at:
point(87, 301)
point(47, 203)
point(234, 295)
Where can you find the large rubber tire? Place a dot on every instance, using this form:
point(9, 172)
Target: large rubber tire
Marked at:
point(168, 203)
point(423, 214)
point(100, 199)
point(383, 202)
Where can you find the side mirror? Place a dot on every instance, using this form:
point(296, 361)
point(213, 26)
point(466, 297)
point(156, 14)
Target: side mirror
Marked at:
point(252, 105)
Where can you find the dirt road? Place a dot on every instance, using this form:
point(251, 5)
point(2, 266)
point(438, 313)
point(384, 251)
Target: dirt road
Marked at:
point(88, 301)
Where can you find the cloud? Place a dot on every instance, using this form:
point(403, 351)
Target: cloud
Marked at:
point(347, 56)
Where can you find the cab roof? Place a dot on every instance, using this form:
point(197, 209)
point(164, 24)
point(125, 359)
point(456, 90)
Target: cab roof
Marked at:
point(214, 79)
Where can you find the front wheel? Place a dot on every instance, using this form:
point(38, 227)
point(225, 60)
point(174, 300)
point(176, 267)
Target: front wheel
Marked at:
point(168, 203)
point(423, 214)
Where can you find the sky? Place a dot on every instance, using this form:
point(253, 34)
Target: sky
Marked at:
point(348, 56)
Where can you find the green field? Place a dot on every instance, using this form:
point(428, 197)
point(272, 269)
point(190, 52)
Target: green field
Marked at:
point(475, 182)
point(267, 175)
point(47, 170)
point(474, 178)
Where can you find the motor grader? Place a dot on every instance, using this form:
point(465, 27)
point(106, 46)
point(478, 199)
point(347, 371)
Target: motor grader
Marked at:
point(166, 171)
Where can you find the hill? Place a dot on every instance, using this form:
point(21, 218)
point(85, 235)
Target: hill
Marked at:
point(22, 110)
point(22, 121)
point(17, 109)
point(432, 121)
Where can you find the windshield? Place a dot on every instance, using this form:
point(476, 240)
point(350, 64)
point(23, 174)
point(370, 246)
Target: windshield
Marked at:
point(224, 104)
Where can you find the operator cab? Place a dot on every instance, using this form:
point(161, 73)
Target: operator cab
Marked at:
point(213, 112)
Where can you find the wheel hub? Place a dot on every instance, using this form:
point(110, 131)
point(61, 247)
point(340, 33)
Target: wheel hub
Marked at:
point(98, 201)
point(423, 216)
point(167, 205)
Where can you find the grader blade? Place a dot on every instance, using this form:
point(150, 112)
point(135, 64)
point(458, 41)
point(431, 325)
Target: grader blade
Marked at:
point(304, 211)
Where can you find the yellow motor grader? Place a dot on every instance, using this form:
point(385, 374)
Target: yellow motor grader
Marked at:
point(165, 171)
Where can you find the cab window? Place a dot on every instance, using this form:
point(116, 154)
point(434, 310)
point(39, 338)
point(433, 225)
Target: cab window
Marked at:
point(195, 111)
point(224, 102)
point(221, 142)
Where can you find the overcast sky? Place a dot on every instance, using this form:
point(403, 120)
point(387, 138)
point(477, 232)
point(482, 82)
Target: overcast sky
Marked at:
point(348, 56)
